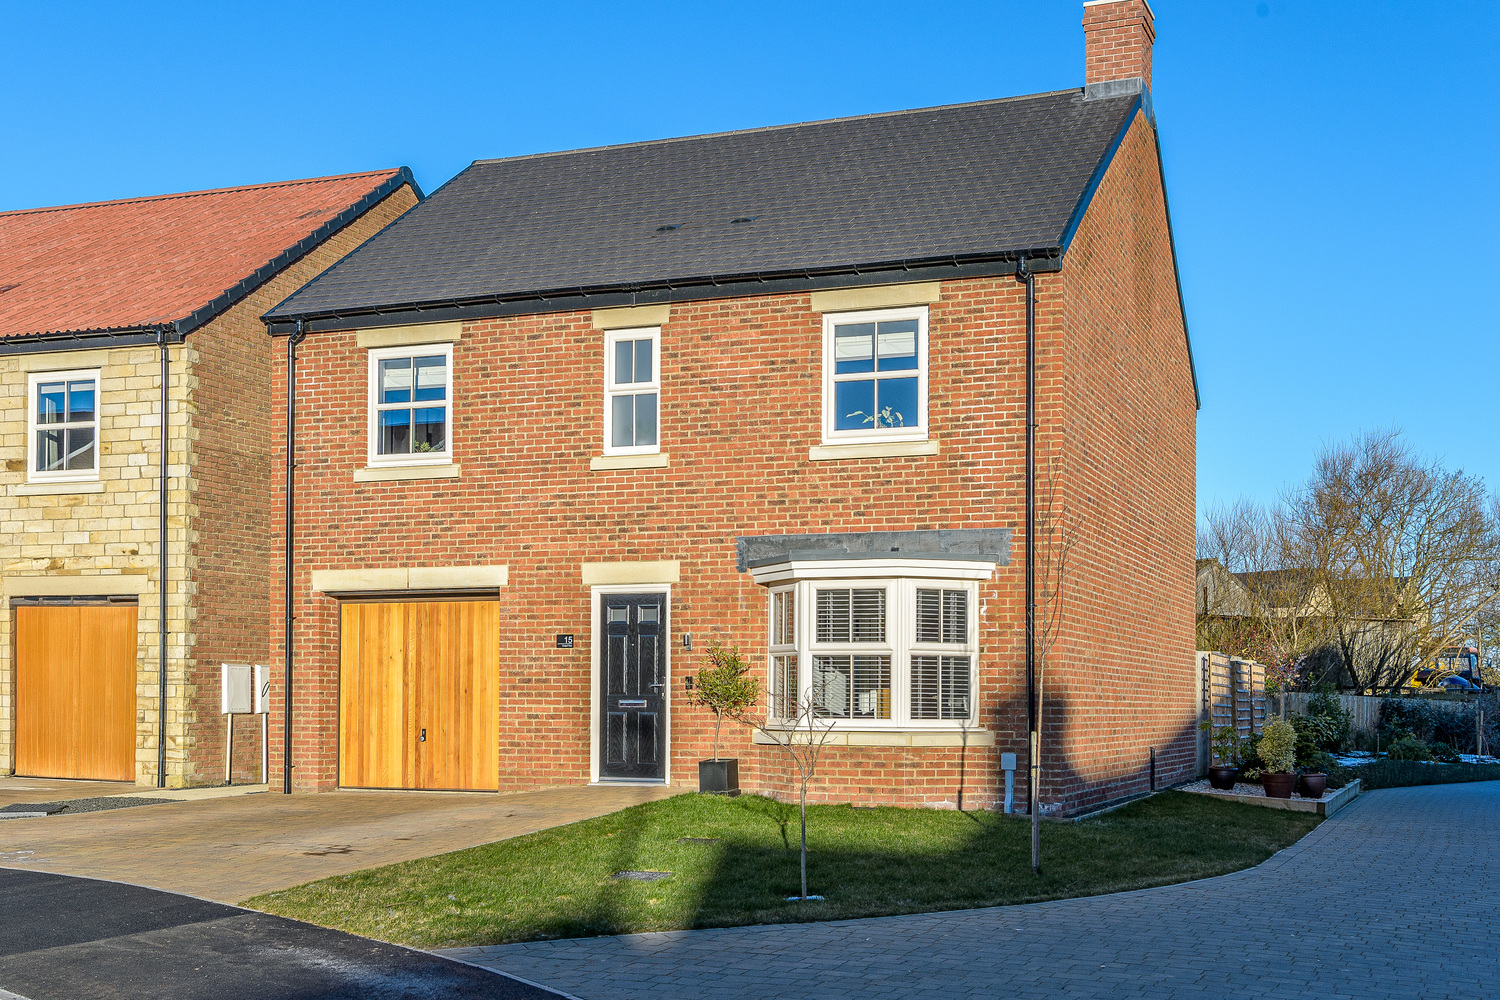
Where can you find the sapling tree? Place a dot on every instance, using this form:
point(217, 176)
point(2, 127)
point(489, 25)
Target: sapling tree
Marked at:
point(802, 732)
point(726, 688)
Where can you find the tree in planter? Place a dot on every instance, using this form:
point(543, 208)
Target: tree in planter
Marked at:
point(801, 731)
point(727, 688)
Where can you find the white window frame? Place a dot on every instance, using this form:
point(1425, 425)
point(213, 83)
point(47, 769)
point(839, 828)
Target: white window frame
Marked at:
point(909, 432)
point(613, 389)
point(901, 643)
point(35, 379)
point(373, 407)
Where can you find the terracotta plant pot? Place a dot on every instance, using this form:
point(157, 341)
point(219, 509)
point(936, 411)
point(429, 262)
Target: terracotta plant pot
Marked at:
point(1312, 786)
point(1223, 778)
point(1278, 786)
point(719, 777)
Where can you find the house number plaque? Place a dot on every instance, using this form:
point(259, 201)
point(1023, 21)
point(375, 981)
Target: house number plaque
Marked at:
point(564, 640)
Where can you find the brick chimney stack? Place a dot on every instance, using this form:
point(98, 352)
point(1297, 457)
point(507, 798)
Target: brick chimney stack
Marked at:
point(1118, 35)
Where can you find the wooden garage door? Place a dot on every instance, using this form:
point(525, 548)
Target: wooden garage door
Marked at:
point(419, 695)
point(75, 692)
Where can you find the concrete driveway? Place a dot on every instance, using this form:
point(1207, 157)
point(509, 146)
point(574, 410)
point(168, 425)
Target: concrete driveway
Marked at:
point(1394, 897)
point(231, 848)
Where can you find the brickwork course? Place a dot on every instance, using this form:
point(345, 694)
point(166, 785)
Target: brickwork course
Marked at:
point(176, 256)
point(1350, 912)
point(740, 415)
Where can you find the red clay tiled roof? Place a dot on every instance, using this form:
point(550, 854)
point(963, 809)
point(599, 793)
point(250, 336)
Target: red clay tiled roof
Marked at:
point(116, 265)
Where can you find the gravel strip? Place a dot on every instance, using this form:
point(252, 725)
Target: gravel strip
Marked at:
point(70, 806)
point(1241, 788)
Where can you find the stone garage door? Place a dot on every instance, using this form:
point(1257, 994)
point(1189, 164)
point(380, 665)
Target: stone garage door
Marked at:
point(75, 691)
point(419, 695)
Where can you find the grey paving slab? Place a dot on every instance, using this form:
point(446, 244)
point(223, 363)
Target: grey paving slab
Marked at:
point(1391, 898)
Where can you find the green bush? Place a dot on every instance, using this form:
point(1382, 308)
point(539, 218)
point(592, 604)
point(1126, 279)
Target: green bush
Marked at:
point(1403, 773)
point(1443, 752)
point(1335, 726)
point(1250, 762)
point(1408, 747)
point(1278, 747)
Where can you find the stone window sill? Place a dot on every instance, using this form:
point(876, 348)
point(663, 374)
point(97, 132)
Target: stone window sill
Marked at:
point(603, 463)
point(56, 489)
point(894, 738)
point(399, 473)
point(878, 449)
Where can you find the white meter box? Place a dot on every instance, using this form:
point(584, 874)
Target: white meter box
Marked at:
point(237, 695)
point(263, 689)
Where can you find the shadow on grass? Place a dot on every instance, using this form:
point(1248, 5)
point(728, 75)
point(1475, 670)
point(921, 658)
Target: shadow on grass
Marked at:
point(734, 862)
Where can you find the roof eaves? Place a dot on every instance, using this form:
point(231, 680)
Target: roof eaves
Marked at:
point(240, 289)
point(50, 342)
point(1039, 259)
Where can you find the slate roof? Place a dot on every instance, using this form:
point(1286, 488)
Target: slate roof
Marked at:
point(947, 184)
point(170, 259)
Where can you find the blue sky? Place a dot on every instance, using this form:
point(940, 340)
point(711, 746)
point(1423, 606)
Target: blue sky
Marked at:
point(1331, 165)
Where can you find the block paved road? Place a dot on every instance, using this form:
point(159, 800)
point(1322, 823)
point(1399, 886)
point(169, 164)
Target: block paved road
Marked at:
point(65, 938)
point(1394, 897)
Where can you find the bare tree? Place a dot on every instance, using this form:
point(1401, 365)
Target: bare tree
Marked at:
point(1056, 533)
point(1262, 603)
point(801, 730)
point(1404, 554)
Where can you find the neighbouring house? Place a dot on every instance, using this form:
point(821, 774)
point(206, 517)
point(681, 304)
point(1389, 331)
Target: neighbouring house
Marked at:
point(111, 315)
point(581, 414)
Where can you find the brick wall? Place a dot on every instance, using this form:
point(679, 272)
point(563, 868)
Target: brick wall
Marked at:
point(1124, 667)
point(234, 518)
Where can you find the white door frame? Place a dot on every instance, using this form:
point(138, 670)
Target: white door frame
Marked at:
point(595, 592)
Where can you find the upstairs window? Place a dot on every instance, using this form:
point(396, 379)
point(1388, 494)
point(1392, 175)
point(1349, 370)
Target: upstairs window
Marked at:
point(410, 405)
point(875, 376)
point(632, 391)
point(63, 418)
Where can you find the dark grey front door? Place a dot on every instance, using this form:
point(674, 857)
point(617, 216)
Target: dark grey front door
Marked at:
point(634, 675)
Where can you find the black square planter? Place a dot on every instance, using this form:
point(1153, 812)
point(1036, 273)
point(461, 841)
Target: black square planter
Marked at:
point(719, 777)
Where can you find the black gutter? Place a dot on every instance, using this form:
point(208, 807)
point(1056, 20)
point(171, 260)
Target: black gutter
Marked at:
point(287, 535)
point(48, 343)
point(1033, 743)
point(684, 290)
point(161, 588)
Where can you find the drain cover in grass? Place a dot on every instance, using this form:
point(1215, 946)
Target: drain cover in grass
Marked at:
point(641, 876)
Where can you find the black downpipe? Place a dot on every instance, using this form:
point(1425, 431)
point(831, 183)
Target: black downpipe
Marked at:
point(1033, 742)
point(291, 477)
point(161, 588)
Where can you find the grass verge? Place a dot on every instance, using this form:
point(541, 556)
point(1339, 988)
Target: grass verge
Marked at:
point(1404, 773)
point(741, 862)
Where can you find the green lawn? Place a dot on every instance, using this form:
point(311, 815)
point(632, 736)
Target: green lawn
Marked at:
point(867, 862)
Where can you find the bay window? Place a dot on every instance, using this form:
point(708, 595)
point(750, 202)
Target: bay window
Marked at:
point(896, 652)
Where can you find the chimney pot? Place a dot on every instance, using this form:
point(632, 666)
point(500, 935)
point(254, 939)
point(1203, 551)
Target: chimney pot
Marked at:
point(1117, 40)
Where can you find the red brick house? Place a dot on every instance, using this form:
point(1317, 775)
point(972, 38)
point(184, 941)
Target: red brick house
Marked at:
point(113, 314)
point(580, 414)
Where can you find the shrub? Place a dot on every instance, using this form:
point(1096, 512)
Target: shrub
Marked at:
point(1443, 752)
point(1401, 773)
point(1335, 724)
point(1318, 734)
point(1278, 747)
point(1250, 762)
point(1408, 747)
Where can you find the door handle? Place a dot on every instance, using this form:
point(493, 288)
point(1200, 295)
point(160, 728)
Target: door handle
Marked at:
point(656, 687)
point(422, 738)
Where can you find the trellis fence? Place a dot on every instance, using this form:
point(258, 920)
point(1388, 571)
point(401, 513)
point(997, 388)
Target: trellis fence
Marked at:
point(1233, 694)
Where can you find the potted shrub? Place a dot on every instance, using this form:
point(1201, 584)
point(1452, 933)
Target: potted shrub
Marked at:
point(1226, 749)
point(1278, 756)
point(727, 689)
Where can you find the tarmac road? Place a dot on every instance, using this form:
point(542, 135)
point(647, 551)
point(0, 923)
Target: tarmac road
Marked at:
point(67, 938)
